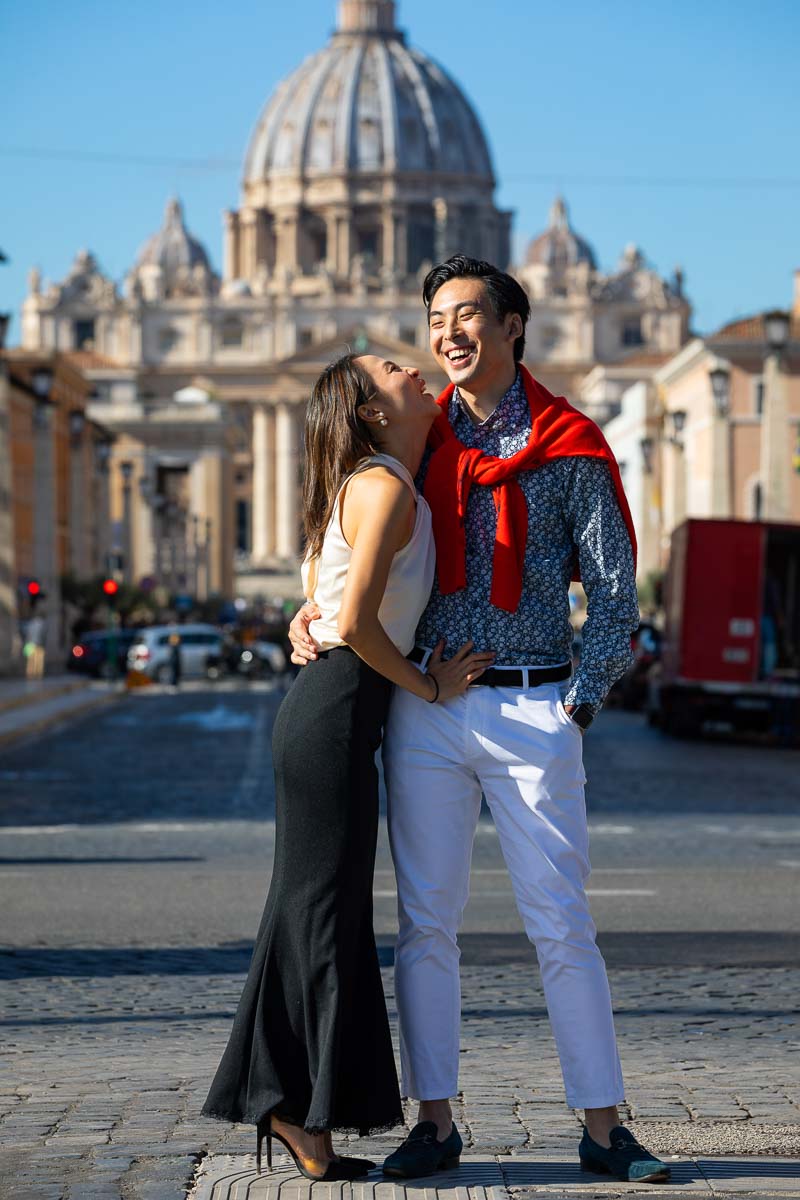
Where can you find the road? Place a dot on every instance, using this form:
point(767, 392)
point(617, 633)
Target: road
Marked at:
point(162, 806)
point(136, 850)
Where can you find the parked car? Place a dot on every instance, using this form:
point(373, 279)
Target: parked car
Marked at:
point(200, 651)
point(90, 653)
point(256, 659)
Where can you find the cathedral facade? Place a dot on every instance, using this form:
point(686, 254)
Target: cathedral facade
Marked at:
point(367, 165)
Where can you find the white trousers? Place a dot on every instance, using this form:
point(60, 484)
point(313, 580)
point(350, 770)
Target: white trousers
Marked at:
point(520, 748)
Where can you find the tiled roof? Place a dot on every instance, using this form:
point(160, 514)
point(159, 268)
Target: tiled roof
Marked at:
point(751, 329)
point(647, 358)
point(89, 360)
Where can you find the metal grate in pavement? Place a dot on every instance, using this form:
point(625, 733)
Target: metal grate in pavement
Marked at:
point(233, 1177)
point(484, 1177)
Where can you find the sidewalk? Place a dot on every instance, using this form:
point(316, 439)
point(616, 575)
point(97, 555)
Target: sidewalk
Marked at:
point(29, 706)
point(106, 1066)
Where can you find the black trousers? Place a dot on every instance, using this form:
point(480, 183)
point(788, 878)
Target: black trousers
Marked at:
point(310, 1040)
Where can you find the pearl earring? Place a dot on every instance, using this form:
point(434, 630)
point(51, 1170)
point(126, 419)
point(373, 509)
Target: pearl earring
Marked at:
point(383, 421)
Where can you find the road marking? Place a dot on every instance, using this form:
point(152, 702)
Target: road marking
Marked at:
point(506, 893)
point(794, 863)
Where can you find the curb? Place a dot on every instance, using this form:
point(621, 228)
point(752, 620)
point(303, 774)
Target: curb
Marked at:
point(43, 723)
point(30, 699)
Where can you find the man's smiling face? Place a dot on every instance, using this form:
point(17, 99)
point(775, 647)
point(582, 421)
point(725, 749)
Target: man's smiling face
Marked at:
point(467, 340)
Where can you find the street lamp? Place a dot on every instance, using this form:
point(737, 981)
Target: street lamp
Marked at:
point(678, 418)
point(42, 382)
point(776, 328)
point(646, 445)
point(720, 377)
point(127, 471)
point(102, 453)
point(77, 422)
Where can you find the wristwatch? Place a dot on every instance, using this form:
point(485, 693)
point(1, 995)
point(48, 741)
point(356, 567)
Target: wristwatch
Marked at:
point(583, 716)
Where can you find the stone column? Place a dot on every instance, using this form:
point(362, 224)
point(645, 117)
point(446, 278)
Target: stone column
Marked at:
point(287, 483)
point(263, 483)
point(248, 243)
point(287, 250)
point(776, 445)
point(343, 242)
point(8, 573)
point(441, 234)
point(231, 245)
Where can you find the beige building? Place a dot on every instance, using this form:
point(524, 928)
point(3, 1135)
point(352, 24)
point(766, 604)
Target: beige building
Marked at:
point(59, 495)
point(366, 165)
point(714, 431)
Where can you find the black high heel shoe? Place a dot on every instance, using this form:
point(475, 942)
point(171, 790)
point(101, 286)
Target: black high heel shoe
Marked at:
point(335, 1172)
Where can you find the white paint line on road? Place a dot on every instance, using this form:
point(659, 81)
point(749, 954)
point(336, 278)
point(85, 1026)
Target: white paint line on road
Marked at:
point(506, 893)
point(125, 826)
point(794, 863)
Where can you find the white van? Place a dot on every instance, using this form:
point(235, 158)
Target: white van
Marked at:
point(200, 650)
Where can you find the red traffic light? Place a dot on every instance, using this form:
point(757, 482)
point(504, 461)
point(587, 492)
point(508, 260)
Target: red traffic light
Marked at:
point(110, 587)
point(34, 587)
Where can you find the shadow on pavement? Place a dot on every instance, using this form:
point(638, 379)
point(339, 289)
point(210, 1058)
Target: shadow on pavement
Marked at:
point(621, 950)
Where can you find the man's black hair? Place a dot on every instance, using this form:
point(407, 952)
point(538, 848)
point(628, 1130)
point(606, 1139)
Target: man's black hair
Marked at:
point(505, 294)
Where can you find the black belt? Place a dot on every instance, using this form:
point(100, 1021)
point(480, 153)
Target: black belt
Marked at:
point(526, 677)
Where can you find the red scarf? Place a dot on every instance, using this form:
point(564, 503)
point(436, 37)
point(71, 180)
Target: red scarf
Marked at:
point(557, 431)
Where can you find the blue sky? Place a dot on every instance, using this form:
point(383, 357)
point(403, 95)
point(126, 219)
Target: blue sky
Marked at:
point(674, 126)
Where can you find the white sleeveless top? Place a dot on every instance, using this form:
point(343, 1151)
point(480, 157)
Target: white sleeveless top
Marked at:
point(410, 576)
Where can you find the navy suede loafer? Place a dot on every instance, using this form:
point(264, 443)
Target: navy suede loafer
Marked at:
point(421, 1154)
point(626, 1158)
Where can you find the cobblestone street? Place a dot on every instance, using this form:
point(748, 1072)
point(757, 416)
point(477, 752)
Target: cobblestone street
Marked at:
point(134, 866)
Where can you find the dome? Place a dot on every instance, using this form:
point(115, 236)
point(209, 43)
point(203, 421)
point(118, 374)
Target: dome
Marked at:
point(173, 248)
point(367, 103)
point(559, 246)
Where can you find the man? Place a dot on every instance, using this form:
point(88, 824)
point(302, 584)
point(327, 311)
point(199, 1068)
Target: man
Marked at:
point(523, 488)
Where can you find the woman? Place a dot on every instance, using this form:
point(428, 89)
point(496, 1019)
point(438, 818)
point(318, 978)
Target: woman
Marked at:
point(310, 1051)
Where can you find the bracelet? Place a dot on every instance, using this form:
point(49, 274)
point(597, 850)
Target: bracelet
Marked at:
point(436, 685)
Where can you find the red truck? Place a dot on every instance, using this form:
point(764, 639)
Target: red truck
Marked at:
point(731, 652)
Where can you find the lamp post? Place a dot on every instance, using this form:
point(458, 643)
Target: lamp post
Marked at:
point(775, 432)
point(722, 503)
point(45, 566)
point(102, 457)
point(78, 484)
point(126, 469)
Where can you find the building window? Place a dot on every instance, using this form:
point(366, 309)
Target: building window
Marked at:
point(550, 337)
point(168, 339)
point(408, 334)
point(632, 332)
point(421, 241)
point(305, 338)
point(367, 243)
point(243, 526)
point(232, 332)
point(758, 396)
point(83, 334)
point(757, 501)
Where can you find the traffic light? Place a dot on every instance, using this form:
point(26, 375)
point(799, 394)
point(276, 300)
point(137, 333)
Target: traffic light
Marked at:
point(34, 587)
point(110, 587)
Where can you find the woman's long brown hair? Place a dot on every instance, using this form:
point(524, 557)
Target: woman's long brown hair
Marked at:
point(336, 440)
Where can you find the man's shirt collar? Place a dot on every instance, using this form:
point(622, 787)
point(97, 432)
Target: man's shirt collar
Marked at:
point(511, 407)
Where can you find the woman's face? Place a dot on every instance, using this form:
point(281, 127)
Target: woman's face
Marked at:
point(400, 392)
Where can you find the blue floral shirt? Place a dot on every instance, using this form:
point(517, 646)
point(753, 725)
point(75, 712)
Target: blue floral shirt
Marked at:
point(572, 506)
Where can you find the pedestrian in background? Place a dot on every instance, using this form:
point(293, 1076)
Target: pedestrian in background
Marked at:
point(310, 1051)
point(33, 649)
point(175, 659)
